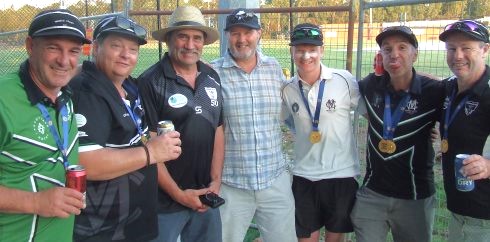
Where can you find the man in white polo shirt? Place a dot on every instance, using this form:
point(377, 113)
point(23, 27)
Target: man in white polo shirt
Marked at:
point(319, 101)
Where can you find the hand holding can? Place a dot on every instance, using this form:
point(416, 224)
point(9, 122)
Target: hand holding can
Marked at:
point(462, 183)
point(76, 178)
point(165, 126)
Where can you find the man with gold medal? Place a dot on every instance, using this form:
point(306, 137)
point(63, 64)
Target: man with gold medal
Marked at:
point(319, 101)
point(402, 108)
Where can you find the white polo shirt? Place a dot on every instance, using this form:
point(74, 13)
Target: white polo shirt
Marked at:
point(335, 156)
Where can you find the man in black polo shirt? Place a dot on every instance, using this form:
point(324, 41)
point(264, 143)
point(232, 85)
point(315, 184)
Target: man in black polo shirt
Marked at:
point(186, 91)
point(118, 157)
point(467, 117)
point(402, 107)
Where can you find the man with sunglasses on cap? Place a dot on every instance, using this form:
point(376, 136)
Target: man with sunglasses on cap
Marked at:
point(115, 149)
point(319, 101)
point(38, 133)
point(255, 180)
point(465, 129)
point(398, 191)
point(186, 91)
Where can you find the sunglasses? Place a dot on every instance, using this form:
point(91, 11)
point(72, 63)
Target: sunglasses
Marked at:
point(306, 33)
point(123, 23)
point(471, 26)
point(241, 17)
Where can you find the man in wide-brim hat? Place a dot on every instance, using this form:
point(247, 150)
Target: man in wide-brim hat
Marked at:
point(184, 90)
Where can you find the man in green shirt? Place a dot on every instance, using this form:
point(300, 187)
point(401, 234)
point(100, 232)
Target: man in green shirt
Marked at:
point(38, 133)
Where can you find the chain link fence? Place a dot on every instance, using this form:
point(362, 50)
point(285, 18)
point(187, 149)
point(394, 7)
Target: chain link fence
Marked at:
point(349, 30)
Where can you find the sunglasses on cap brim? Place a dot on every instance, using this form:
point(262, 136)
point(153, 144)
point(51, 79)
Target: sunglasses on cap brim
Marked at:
point(306, 33)
point(469, 26)
point(123, 23)
point(240, 17)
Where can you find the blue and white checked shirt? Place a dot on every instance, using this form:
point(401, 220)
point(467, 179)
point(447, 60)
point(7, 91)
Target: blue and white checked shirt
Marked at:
point(252, 109)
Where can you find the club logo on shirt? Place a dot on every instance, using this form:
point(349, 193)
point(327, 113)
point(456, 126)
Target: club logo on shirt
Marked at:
point(411, 107)
point(81, 120)
point(213, 95)
point(40, 128)
point(377, 99)
point(470, 107)
point(295, 107)
point(446, 103)
point(177, 100)
point(331, 105)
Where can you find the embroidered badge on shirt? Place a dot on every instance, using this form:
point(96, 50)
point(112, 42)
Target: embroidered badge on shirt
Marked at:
point(295, 107)
point(40, 128)
point(470, 107)
point(177, 100)
point(213, 95)
point(411, 107)
point(330, 103)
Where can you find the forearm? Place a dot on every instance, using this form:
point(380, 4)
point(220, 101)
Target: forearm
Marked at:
point(218, 155)
point(109, 163)
point(167, 183)
point(16, 201)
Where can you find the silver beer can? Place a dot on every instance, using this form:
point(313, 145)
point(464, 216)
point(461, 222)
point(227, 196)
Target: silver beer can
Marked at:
point(164, 127)
point(462, 183)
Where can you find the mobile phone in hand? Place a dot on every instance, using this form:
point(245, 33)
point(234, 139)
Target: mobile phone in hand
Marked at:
point(211, 199)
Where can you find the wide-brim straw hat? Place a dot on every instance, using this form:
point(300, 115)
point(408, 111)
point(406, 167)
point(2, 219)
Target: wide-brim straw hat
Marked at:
point(187, 17)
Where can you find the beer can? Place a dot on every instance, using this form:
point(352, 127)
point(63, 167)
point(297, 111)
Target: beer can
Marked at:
point(164, 127)
point(378, 65)
point(76, 178)
point(462, 183)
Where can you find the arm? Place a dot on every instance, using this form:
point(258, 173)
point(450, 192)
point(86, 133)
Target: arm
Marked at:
point(109, 163)
point(218, 158)
point(55, 202)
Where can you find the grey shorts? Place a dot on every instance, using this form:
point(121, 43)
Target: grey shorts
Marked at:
point(374, 215)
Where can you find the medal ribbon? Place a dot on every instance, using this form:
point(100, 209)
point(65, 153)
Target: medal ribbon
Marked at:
point(390, 122)
point(448, 117)
point(62, 144)
point(315, 119)
point(135, 116)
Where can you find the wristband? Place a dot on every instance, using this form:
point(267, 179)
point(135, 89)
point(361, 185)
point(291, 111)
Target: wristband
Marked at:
point(147, 155)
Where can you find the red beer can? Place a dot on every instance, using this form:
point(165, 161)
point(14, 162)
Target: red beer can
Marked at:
point(378, 65)
point(76, 178)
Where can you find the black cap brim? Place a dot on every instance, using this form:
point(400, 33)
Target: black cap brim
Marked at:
point(410, 37)
point(444, 35)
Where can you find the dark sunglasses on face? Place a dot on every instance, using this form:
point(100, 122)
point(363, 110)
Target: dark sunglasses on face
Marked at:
point(469, 25)
point(307, 33)
point(123, 23)
point(241, 17)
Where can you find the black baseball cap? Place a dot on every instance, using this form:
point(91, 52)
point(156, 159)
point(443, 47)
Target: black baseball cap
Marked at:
point(306, 34)
point(120, 25)
point(242, 17)
point(397, 30)
point(57, 22)
point(471, 28)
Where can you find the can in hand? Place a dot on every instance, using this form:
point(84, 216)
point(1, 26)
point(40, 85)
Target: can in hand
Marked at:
point(164, 127)
point(463, 184)
point(76, 178)
point(378, 65)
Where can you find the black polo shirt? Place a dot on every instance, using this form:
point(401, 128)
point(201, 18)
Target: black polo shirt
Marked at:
point(195, 113)
point(121, 208)
point(467, 135)
point(407, 173)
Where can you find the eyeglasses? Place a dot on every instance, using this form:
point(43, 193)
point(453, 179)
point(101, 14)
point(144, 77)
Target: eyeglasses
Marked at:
point(470, 26)
point(240, 17)
point(123, 23)
point(306, 33)
point(403, 29)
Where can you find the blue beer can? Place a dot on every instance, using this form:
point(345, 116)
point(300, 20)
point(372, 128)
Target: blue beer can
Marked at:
point(462, 183)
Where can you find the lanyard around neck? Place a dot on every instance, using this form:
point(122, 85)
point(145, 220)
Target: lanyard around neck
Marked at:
point(62, 144)
point(314, 119)
point(448, 117)
point(391, 121)
point(135, 116)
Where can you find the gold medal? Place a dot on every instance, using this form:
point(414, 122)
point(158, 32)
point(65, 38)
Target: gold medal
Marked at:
point(144, 139)
point(387, 146)
point(315, 137)
point(444, 145)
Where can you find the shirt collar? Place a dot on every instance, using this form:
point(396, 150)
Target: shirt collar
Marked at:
point(34, 94)
point(415, 85)
point(228, 60)
point(325, 74)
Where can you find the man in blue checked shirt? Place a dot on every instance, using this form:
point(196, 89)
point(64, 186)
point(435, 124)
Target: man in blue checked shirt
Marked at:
point(255, 182)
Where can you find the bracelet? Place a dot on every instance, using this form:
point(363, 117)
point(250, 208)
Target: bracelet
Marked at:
point(147, 155)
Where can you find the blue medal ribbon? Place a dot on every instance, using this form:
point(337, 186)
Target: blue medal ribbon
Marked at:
point(448, 117)
point(135, 116)
point(390, 122)
point(315, 119)
point(62, 144)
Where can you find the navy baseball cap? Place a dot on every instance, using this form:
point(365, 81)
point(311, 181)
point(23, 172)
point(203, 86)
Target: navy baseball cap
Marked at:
point(242, 17)
point(58, 22)
point(121, 25)
point(397, 30)
point(306, 34)
point(471, 28)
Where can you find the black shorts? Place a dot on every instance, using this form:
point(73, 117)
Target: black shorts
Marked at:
point(323, 203)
